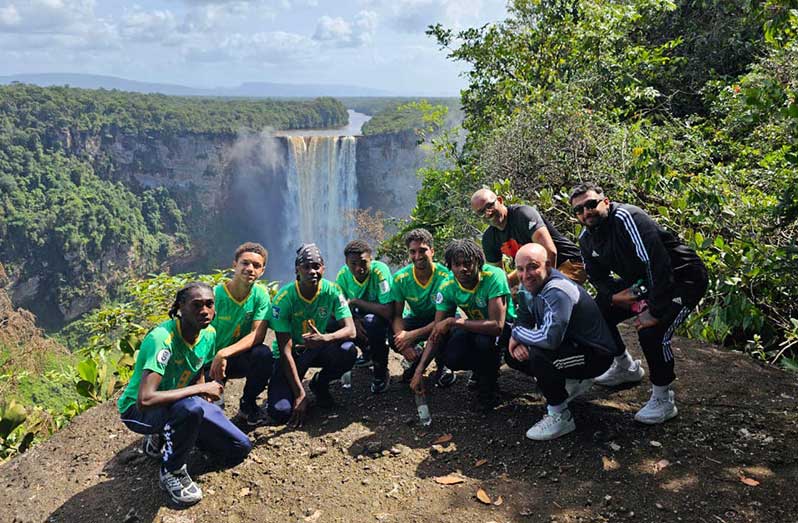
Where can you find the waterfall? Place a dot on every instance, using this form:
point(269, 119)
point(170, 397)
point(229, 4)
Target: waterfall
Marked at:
point(321, 193)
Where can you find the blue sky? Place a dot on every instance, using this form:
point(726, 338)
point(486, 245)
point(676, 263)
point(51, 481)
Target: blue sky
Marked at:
point(210, 43)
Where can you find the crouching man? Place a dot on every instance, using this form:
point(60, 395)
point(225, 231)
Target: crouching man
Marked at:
point(558, 337)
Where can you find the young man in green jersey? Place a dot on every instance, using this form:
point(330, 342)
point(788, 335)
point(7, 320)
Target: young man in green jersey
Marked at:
point(301, 313)
point(413, 293)
point(161, 399)
point(476, 341)
point(243, 309)
point(366, 283)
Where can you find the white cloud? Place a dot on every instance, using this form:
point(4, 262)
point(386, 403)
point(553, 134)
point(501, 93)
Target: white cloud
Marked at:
point(340, 33)
point(62, 16)
point(149, 27)
point(413, 16)
point(267, 48)
point(9, 16)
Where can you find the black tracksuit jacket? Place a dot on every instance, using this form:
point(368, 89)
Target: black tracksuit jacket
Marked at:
point(635, 247)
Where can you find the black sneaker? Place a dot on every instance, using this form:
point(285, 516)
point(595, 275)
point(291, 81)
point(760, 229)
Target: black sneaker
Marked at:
point(252, 414)
point(364, 360)
point(444, 377)
point(152, 446)
point(380, 382)
point(180, 487)
point(322, 392)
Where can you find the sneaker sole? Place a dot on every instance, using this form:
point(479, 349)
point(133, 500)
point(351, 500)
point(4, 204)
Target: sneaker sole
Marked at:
point(672, 414)
point(179, 502)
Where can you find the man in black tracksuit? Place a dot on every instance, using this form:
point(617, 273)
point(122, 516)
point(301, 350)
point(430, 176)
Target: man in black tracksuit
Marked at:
point(639, 269)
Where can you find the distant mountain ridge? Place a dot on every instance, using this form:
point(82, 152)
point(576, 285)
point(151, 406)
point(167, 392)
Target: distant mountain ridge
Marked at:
point(247, 89)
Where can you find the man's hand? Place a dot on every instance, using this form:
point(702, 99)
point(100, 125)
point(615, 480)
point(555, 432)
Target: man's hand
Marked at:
point(212, 390)
point(624, 299)
point(314, 339)
point(645, 320)
point(409, 354)
point(440, 330)
point(300, 411)
point(403, 341)
point(219, 367)
point(417, 382)
point(518, 350)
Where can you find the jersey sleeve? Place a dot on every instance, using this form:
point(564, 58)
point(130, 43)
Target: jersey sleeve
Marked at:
point(383, 274)
point(281, 313)
point(444, 300)
point(341, 310)
point(549, 333)
point(499, 285)
point(528, 219)
point(156, 349)
point(262, 305)
point(396, 291)
point(340, 280)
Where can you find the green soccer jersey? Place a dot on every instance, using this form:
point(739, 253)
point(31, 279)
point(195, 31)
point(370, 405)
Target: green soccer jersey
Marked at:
point(376, 288)
point(293, 313)
point(165, 352)
point(420, 299)
point(474, 303)
point(233, 318)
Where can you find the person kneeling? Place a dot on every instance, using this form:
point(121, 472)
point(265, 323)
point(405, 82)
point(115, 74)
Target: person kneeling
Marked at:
point(558, 337)
point(158, 400)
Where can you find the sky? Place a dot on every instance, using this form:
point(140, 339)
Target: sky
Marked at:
point(211, 43)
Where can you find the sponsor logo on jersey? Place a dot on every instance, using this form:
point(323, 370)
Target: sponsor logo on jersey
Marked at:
point(384, 287)
point(677, 299)
point(439, 298)
point(163, 356)
point(224, 318)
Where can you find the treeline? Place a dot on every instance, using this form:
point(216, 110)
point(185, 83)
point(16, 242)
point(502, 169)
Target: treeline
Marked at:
point(687, 109)
point(397, 114)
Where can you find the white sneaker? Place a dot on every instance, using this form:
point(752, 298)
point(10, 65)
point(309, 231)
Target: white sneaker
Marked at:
point(657, 410)
point(180, 487)
point(615, 375)
point(576, 388)
point(552, 426)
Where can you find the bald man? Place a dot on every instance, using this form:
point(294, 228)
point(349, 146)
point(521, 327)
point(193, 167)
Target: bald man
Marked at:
point(558, 337)
point(511, 226)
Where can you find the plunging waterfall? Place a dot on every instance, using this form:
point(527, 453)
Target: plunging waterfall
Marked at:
point(322, 192)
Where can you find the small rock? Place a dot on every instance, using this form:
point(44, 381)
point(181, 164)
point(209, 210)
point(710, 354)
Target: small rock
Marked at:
point(615, 447)
point(318, 451)
point(244, 492)
point(659, 506)
point(131, 516)
point(396, 451)
point(373, 447)
point(654, 443)
point(365, 481)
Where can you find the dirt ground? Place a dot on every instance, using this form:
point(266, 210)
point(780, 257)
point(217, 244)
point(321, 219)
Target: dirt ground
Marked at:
point(728, 457)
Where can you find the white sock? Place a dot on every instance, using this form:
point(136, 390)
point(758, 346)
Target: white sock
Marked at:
point(557, 409)
point(624, 361)
point(660, 391)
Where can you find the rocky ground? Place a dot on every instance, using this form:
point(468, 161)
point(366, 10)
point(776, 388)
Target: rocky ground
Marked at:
point(728, 457)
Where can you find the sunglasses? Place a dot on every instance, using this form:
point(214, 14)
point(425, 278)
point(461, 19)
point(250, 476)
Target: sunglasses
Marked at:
point(589, 204)
point(488, 206)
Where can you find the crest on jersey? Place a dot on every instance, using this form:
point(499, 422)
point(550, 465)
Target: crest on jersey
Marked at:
point(322, 311)
point(439, 298)
point(480, 301)
point(384, 286)
point(163, 356)
point(275, 312)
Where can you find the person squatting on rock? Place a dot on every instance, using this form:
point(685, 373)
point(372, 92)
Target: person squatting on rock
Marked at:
point(366, 284)
point(301, 313)
point(659, 281)
point(242, 317)
point(557, 337)
point(413, 292)
point(160, 398)
point(512, 226)
point(476, 341)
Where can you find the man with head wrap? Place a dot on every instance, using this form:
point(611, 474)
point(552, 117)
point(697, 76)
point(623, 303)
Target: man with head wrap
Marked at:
point(300, 314)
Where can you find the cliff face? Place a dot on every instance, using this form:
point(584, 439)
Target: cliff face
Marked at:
point(224, 185)
point(386, 172)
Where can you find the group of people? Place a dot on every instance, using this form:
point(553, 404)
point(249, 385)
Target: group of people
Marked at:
point(464, 314)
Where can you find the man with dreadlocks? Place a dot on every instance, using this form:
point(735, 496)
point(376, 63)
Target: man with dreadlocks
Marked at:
point(473, 342)
point(160, 399)
point(300, 316)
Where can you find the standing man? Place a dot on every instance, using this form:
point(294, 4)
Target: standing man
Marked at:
point(366, 283)
point(659, 281)
point(416, 286)
point(242, 312)
point(301, 314)
point(474, 342)
point(512, 226)
point(556, 339)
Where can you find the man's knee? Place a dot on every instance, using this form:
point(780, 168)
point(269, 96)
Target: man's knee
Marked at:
point(239, 450)
point(190, 408)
